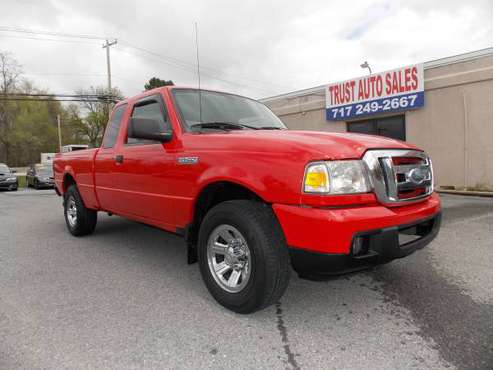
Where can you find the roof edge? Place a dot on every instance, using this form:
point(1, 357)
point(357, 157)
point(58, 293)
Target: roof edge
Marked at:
point(458, 58)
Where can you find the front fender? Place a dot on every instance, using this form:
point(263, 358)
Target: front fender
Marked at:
point(270, 181)
point(235, 175)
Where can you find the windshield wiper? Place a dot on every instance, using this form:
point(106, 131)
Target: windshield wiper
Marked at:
point(270, 128)
point(223, 125)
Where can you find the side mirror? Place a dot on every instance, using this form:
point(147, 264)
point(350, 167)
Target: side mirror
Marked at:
point(13, 171)
point(148, 129)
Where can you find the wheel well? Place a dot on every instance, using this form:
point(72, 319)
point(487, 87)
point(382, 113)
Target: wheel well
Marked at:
point(212, 195)
point(68, 180)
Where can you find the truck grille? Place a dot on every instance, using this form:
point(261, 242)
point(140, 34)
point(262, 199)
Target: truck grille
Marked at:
point(399, 176)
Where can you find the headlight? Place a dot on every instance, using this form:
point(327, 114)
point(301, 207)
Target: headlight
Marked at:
point(12, 178)
point(336, 177)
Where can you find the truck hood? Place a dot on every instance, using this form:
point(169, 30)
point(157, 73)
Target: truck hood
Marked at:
point(316, 144)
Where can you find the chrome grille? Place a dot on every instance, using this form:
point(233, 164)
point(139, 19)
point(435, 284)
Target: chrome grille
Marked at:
point(399, 176)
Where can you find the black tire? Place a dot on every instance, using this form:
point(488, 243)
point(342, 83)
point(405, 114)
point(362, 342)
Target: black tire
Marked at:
point(36, 185)
point(270, 268)
point(85, 220)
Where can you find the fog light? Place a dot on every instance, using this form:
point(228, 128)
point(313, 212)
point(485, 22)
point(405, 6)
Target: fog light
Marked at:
point(359, 247)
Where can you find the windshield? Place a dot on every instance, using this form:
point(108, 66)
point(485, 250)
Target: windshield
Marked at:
point(4, 169)
point(45, 171)
point(221, 107)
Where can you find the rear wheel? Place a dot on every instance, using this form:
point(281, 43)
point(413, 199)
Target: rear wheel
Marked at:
point(79, 219)
point(243, 256)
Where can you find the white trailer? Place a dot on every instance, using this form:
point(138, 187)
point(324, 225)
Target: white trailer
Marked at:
point(73, 147)
point(47, 158)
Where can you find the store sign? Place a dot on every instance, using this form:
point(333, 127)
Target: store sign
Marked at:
point(392, 91)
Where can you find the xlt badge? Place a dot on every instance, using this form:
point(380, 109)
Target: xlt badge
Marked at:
point(188, 160)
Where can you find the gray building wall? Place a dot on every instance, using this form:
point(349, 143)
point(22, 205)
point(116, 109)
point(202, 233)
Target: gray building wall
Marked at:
point(455, 126)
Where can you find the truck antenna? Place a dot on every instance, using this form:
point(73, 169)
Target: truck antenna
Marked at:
point(198, 69)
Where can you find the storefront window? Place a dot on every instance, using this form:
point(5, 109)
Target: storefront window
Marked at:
point(393, 127)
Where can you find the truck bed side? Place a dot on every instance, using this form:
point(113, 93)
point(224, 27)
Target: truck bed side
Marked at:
point(77, 166)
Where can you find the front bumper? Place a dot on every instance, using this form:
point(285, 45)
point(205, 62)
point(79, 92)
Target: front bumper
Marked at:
point(8, 184)
point(321, 239)
point(46, 183)
point(380, 246)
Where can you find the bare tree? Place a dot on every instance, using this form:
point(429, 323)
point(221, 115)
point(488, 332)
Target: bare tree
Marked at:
point(10, 72)
point(95, 118)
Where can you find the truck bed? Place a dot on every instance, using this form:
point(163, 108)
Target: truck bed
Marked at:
point(82, 163)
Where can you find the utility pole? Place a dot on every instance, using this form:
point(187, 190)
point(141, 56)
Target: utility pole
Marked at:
point(59, 133)
point(108, 66)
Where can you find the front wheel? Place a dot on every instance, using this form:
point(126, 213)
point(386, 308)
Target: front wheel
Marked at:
point(243, 256)
point(79, 219)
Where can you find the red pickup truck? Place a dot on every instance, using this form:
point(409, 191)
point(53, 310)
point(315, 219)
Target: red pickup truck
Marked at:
point(250, 197)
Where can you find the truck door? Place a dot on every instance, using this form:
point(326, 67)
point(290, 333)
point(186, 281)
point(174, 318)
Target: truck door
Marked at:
point(105, 163)
point(146, 169)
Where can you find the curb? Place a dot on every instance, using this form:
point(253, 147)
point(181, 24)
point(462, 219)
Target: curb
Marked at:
point(487, 194)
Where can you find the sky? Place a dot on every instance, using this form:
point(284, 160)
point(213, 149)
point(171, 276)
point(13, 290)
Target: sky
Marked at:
point(254, 48)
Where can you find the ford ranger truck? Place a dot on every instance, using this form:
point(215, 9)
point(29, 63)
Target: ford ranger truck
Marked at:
point(251, 198)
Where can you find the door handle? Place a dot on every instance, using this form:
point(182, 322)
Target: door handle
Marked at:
point(119, 158)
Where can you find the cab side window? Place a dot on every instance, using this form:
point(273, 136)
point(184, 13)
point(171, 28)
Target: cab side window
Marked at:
point(150, 107)
point(114, 127)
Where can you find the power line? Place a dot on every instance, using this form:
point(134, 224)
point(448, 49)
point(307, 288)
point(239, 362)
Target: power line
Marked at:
point(50, 33)
point(45, 39)
point(193, 71)
point(52, 99)
point(94, 37)
point(189, 67)
point(168, 60)
point(60, 95)
point(66, 74)
point(92, 98)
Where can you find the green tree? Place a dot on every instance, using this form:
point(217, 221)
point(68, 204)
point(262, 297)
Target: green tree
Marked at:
point(157, 82)
point(33, 128)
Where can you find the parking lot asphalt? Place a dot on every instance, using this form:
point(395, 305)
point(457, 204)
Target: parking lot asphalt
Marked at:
point(124, 297)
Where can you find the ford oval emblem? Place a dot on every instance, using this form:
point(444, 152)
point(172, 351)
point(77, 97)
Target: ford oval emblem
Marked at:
point(418, 175)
